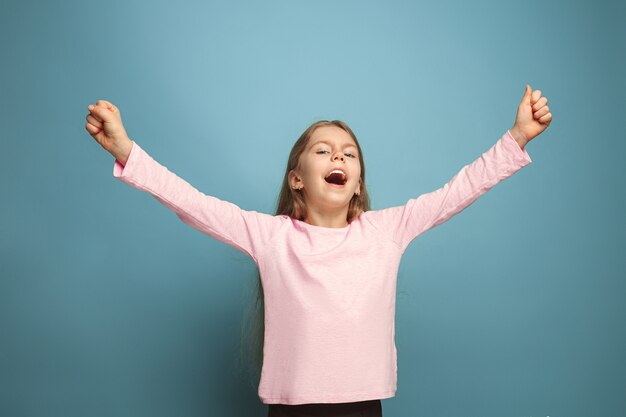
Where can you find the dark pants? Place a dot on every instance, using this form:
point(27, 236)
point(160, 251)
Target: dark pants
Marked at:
point(371, 408)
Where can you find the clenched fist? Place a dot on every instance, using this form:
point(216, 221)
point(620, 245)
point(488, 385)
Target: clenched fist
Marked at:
point(104, 124)
point(533, 117)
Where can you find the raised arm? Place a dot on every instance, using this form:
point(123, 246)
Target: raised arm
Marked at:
point(247, 231)
point(508, 155)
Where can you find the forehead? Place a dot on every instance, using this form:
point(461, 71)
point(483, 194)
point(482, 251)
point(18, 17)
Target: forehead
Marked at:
point(333, 135)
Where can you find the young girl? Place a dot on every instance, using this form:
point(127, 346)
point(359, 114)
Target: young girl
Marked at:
point(328, 264)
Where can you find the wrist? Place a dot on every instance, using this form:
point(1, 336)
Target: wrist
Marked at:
point(122, 151)
point(519, 137)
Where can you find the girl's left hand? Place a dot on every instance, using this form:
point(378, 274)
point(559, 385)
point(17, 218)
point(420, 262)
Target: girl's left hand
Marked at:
point(533, 116)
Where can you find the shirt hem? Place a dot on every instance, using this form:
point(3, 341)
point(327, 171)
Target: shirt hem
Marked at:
point(327, 398)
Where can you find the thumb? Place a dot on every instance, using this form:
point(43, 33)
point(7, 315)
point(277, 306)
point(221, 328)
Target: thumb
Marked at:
point(101, 113)
point(527, 93)
point(108, 105)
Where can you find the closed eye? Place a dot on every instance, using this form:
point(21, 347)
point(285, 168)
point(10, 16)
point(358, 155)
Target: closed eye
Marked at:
point(348, 154)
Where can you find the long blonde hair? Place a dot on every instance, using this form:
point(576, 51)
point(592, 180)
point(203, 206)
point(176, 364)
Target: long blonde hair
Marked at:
point(291, 203)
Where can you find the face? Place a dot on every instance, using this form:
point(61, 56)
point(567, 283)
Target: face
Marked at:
point(329, 148)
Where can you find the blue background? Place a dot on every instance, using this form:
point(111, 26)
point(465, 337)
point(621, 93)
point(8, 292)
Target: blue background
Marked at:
point(110, 305)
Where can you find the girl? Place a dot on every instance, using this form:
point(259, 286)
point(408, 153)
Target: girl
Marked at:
point(328, 264)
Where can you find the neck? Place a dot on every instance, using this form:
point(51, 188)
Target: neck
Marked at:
point(336, 219)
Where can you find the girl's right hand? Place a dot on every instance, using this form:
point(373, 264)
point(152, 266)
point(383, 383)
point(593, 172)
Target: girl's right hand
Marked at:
point(104, 124)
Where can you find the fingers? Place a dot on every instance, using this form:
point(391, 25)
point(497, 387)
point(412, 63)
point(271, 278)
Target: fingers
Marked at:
point(534, 97)
point(92, 120)
point(92, 129)
point(95, 113)
point(546, 119)
point(541, 112)
point(102, 111)
point(540, 109)
point(540, 103)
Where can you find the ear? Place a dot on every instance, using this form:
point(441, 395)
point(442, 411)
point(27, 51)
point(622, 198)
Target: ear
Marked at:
point(295, 182)
point(358, 187)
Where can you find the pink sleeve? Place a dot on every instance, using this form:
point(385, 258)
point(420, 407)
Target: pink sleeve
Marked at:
point(247, 231)
point(404, 223)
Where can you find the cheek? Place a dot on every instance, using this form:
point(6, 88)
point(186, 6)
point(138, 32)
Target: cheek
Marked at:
point(308, 170)
point(314, 168)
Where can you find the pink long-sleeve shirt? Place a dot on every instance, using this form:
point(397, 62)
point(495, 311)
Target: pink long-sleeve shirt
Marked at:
point(329, 292)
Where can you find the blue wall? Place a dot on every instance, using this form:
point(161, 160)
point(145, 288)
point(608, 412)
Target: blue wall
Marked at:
point(110, 305)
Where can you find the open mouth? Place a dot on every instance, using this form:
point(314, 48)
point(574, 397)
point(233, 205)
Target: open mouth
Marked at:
point(336, 177)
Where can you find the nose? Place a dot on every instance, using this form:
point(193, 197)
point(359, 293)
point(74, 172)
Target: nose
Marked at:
point(339, 154)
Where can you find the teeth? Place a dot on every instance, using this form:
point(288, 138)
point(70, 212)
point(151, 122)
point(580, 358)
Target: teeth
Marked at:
point(336, 170)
